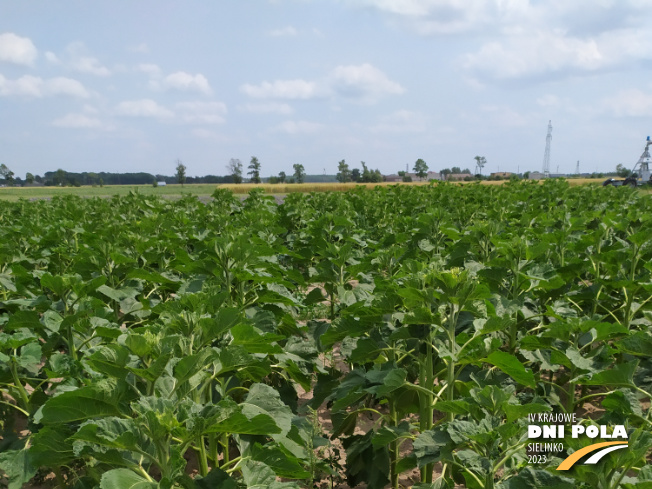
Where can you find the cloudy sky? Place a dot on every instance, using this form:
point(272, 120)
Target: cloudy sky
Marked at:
point(133, 86)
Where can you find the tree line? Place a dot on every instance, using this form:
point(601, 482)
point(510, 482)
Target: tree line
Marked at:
point(67, 178)
point(346, 174)
point(236, 174)
point(235, 169)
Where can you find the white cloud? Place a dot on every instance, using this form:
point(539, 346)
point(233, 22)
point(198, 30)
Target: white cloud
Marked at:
point(437, 17)
point(179, 80)
point(201, 112)
point(504, 116)
point(285, 89)
point(34, 86)
point(364, 82)
point(195, 113)
point(548, 101)
point(629, 103)
point(52, 58)
point(401, 121)
point(89, 109)
point(29, 86)
point(77, 121)
point(79, 60)
point(204, 133)
point(444, 17)
point(531, 39)
point(89, 64)
point(298, 127)
point(268, 108)
point(65, 86)
point(16, 49)
point(141, 48)
point(187, 82)
point(534, 54)
point(143, 108)
point(544, 53)
point(209, 135)
point(288, 31)
point(150, 68)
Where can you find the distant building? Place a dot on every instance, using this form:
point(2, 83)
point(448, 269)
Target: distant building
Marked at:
point(501, 174)
point(161, 184)
point(393, 178)
point(536, 175)
point(431, 175)
point(459, 176)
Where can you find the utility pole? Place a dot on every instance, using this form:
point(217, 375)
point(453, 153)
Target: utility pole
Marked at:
point(546, 155)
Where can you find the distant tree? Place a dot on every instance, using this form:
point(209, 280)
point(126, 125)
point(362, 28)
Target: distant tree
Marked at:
point(59, 177)
point(101, 182)
point(235, 169)
point(366, 174)
point(445, 172)
point(92, 178)
point(480, 162)
point(29, 178)
point(370, 176)
point(7, 174)
point(181, 173)
point(299, 172)
point(343, 172)
point(406, 177)
point(254, 170)
point(38, 178)
point(526, 175)
point(622, 171)
point(420, 168)
point(355, 175)
point(456, 169)
point(466, 170)
point(281, 177)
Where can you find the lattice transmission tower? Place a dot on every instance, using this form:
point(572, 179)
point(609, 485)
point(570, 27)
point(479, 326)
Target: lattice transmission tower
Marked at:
point(546, 155)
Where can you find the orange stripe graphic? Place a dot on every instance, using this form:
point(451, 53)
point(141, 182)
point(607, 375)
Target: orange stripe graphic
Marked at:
point(574, 457)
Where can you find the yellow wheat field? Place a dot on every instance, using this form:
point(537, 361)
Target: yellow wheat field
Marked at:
point(286, 188)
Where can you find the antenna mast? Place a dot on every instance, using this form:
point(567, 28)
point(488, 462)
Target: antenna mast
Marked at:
point(546, 155)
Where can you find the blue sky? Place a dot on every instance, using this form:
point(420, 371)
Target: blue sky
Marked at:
point(134, 86)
